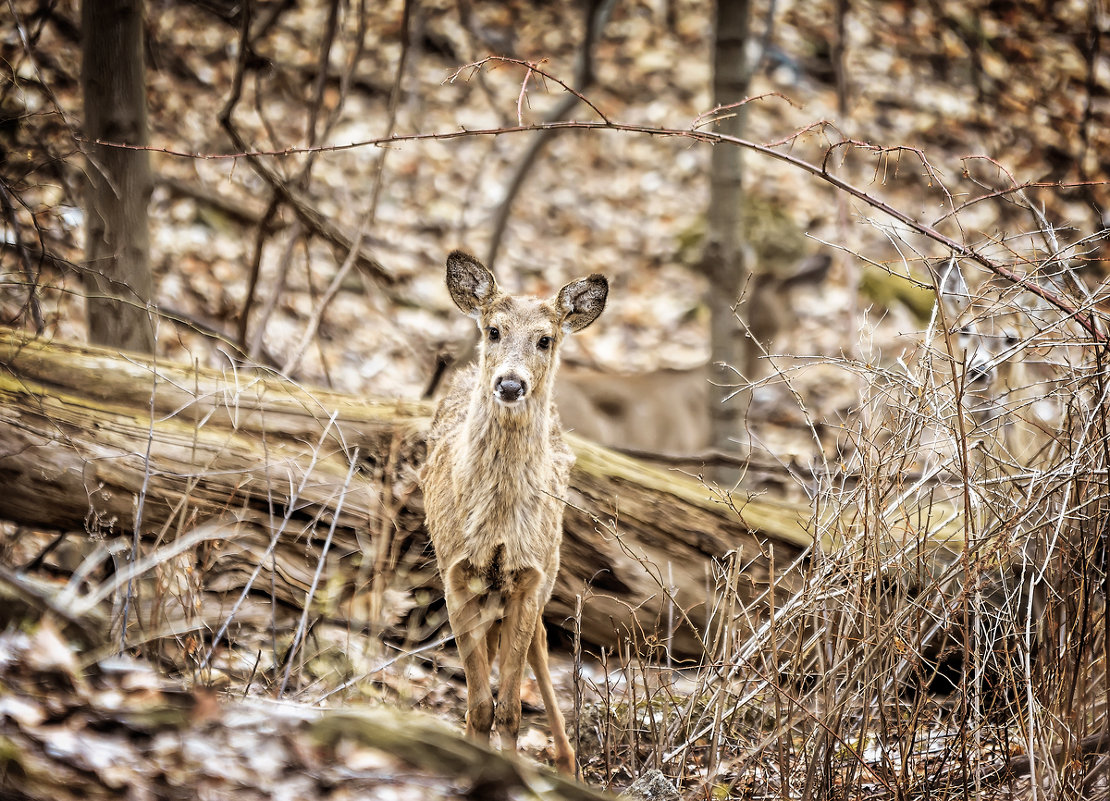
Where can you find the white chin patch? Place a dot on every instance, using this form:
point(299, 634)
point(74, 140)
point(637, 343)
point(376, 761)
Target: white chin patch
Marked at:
point(516, 403)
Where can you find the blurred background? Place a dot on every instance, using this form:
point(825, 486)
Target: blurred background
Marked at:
point(926, 106)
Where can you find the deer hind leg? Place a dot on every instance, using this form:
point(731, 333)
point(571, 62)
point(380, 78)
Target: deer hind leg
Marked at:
point(471, 621)
point(537, 658)
point(518, 627)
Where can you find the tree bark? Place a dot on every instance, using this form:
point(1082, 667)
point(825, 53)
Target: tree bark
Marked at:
point(723, 260)
point(232, 461)
point(117, 275)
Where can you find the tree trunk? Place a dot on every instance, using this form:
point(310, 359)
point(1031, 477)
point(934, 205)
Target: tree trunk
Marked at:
point(117, 274)
point(723, 260)
point(251, 470)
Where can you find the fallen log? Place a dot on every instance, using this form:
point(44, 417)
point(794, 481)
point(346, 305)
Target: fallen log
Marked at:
point(285, 495)
point(115, 728)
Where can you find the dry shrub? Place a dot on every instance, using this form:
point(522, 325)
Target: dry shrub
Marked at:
point(952, 625)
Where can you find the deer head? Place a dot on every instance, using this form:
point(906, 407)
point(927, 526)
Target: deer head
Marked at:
point(1015, 356)
point(520, 337)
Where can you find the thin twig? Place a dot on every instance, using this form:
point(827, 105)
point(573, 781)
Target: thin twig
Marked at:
point(309, 216)
point(531, 67)
point(140, 499)
point(290, 507)
point(302, 625)
point(334, 286)
point(597, 15)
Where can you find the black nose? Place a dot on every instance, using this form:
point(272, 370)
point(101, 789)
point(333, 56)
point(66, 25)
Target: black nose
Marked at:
point(510, 388)
point(980, 374)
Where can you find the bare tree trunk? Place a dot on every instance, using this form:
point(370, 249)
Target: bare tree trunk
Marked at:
point(117, 274)
point(723, 260)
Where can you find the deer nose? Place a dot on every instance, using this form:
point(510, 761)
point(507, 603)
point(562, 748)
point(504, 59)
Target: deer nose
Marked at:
point(980, 374)
point(980, 371)
point(510, 388)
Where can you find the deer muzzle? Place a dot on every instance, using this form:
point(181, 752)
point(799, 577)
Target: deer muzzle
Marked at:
point(510, 389)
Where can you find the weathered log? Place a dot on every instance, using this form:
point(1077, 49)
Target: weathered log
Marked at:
point(93, 440)
point(114, 728)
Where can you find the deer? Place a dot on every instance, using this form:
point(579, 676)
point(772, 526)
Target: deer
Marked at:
point(1014, 357)
point(1023, 391)
point(495, 484)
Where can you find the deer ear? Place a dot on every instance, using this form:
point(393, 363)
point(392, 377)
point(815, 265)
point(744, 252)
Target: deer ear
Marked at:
point(582, 301)
point(952, 286)
point(471, 285)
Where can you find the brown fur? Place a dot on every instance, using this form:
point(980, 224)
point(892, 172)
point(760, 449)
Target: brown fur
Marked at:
point(494, 488)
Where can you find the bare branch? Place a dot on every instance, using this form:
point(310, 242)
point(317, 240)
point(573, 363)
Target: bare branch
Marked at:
point(821, 172)
point(530, 67)
point(597, 14)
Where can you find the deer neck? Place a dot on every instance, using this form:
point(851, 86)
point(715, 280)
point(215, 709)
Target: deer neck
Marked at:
point(507, 432)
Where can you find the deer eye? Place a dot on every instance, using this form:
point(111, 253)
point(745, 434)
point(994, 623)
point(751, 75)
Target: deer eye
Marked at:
point(494, 333)
point(544, 343)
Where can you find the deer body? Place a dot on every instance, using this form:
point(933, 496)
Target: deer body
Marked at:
point(501, 463)
point(494, 486)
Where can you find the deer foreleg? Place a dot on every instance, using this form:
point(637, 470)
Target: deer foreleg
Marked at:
point(518, 627)
point(470, 622)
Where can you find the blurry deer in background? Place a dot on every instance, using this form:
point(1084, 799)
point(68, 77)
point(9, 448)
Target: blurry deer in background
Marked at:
point(1015, 357)
point(494, 487)
point(662, 411)
point(666, 411)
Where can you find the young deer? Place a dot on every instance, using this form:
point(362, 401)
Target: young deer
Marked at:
point(1014, 362)
point(494, 489)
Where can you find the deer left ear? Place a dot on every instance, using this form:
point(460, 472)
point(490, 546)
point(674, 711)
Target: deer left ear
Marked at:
point(582, 301)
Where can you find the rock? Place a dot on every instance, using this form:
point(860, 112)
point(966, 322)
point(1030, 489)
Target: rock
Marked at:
point(652, 786)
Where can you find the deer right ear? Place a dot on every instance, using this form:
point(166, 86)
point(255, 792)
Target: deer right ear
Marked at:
point(952, 286)
point(471, 285)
